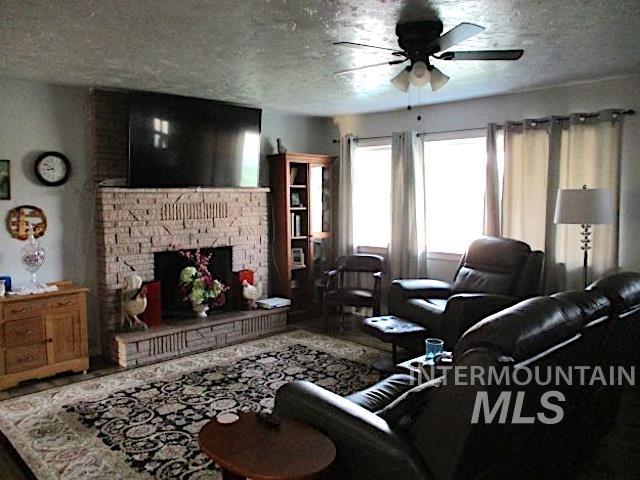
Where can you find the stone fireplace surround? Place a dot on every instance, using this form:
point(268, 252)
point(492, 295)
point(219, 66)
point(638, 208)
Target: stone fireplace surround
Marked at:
point(133, 224)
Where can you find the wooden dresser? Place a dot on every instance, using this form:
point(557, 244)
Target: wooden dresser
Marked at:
point(43, 334)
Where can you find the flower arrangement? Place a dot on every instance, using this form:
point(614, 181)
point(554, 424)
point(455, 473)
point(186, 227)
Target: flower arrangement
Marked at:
point(197, 285)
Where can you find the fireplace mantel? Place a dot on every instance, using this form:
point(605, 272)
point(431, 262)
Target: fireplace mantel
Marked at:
point(189, 190)
point(134, 223)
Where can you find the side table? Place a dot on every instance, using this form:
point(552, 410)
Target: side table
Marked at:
point(252, 448)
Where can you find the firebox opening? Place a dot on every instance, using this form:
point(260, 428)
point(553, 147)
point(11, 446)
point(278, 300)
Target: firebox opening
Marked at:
point(167, 268)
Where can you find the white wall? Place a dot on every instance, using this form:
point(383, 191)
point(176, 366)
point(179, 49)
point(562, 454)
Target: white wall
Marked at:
point(299, 133)
point(616, 93)
point(35, 117)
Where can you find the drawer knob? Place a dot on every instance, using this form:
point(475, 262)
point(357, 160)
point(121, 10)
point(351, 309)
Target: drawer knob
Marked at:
point(28, 332)
point(50, 340)
point(62, 304)
point(26, 359)
point(19, 310)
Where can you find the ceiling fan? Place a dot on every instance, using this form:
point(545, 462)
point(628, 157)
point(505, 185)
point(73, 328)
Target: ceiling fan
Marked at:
point(419, 41)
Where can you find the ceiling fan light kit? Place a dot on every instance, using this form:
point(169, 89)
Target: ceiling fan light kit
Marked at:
point(419, 41)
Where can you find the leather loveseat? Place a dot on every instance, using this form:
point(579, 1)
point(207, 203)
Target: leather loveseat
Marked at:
point(396, 430)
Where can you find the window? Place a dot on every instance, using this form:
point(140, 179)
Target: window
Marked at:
point(455, 168)
point(372, 196)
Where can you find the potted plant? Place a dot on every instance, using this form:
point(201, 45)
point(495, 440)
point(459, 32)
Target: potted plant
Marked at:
point(198, 286)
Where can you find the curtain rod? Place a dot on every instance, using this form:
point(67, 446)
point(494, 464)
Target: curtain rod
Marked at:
point(499, 126)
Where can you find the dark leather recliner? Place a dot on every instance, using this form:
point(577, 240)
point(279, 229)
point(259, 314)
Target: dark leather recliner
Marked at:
point(623, 291)
point(494, 274)
point(440, 441)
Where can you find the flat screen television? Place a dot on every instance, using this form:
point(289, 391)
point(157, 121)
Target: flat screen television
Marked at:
point(179, 141)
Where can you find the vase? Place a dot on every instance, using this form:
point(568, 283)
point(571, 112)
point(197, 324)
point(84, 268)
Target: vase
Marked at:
point(32, 257)
point(200, 309)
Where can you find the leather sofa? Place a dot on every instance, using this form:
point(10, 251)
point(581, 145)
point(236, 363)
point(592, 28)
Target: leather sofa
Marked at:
point(493, 274)
point(396, 430)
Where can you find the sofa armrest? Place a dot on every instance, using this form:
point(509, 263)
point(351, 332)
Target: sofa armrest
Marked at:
point(329, 275)
point(464, 310)
point(422, 288)
point(366, 447)
point(406, 289)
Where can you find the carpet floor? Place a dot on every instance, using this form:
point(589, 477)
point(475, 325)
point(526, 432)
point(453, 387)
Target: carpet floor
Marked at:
point(143, 423)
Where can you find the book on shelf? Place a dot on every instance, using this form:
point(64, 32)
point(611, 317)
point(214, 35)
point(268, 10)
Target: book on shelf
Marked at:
point(296, 224)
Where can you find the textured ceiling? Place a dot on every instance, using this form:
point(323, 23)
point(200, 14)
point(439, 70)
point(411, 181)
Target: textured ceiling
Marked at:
point(278, 53)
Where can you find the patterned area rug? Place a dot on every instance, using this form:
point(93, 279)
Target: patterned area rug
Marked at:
point(143, 423)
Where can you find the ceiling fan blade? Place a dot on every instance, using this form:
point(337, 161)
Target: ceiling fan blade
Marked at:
point(456, 35)
point(349, 70)
point(362, 45)
point(482, 55)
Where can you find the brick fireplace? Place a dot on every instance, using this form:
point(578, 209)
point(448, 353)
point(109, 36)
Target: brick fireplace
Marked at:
point(134, 224)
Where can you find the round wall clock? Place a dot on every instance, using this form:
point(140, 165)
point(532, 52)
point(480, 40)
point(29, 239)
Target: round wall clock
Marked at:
point(19, 218)
point(52, 169)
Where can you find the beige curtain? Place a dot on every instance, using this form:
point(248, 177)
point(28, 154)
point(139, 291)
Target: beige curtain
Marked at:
point(524, 198)
point(590, 155)
point(492, 192)
point(344, 238)
point(408, 251)
point(544, 156)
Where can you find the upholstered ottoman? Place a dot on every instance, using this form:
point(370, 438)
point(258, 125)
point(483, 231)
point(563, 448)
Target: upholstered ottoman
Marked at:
point(394, 330)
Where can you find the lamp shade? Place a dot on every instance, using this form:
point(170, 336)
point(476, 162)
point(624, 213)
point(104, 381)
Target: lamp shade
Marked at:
point(419, 75)
point(584, 206)
point(438, 79)
point(401, 81)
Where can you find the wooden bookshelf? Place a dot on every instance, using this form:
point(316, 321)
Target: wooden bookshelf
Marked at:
point(292, 202)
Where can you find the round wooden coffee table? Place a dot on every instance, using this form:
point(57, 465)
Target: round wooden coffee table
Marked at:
point(251, 448)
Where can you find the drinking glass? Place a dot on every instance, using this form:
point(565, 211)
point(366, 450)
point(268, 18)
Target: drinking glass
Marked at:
point(434, 347)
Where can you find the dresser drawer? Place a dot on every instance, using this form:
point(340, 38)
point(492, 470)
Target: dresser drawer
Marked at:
point(25, 309)
point(24, 331)
point(18, 359)
point(64, 301)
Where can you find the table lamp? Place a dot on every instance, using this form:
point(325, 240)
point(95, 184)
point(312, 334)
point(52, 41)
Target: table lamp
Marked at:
point(585, 207)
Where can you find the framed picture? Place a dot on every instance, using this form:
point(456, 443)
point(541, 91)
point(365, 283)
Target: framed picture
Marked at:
point(295, 199)
point(297, 256)
point(294, 175)
point(5, 180)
